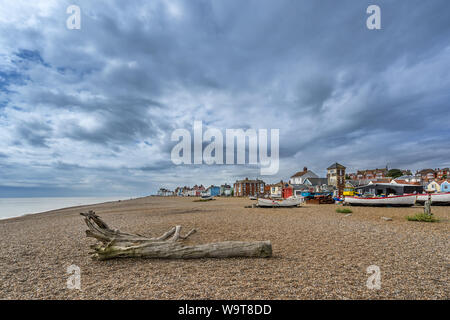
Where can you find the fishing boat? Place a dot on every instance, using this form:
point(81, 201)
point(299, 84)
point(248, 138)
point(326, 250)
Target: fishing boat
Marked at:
point(289, 202)
point(397, 201)
point(436, 198)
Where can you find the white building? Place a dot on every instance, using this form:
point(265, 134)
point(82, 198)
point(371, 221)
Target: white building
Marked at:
point(301, 176)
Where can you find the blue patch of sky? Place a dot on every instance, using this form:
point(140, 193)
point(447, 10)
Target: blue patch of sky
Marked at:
point(8, 77)
point(18, 76)
point(31, 55)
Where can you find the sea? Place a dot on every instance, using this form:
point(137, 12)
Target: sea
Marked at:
point(15, 207)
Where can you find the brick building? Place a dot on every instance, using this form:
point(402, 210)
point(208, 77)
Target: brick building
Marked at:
point(370, 174)
point(246, 188)
point(443, 173)
point(426, 175)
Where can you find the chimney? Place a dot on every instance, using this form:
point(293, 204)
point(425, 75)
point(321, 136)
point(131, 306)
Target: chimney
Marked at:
point(305, 169)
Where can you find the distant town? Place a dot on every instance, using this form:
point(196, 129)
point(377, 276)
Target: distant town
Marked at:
point(337, 182)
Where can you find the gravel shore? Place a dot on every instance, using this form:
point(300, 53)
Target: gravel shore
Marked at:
point(317, 253)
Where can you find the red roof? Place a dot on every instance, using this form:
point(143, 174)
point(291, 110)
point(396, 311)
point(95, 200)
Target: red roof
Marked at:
point(299, 174)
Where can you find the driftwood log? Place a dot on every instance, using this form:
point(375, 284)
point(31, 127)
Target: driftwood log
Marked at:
point(115, 244)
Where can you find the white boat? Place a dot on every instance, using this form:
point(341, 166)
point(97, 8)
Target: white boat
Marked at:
point(289, 202)
point(436, 198)
point(404, 201)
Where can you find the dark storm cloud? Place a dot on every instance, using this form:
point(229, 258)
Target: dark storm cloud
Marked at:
point(110, 95)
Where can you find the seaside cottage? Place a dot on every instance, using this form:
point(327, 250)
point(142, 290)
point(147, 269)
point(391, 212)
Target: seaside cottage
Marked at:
point(186, 191)
point(198, 190)
point(300, 176)
point(276, 190)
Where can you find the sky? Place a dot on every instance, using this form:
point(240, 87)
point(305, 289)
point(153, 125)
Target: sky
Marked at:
point(90, 112)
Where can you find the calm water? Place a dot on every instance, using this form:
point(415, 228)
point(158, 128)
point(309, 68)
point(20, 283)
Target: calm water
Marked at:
point(13, 207)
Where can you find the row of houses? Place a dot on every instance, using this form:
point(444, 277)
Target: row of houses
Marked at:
point(431, 186)
point(300, 182)
point(436, 174)
point(165, 193)
point(306, 180)
point(424, 175)
point(370, 174)
point(198, 190)
point(185, 191)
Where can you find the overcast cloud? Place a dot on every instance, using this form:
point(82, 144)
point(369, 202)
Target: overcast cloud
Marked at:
point(91, 111)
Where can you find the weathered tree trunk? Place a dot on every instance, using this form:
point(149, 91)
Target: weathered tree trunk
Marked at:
point(118, 244)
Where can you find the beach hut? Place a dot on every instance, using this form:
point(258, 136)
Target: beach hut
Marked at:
point(287, 191)
point(445, 186)
point(213, 191)
point(433, 186)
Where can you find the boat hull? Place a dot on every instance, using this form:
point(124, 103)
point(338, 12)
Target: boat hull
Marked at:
point(395, 201)
point(436, 198)
point(271, 203)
